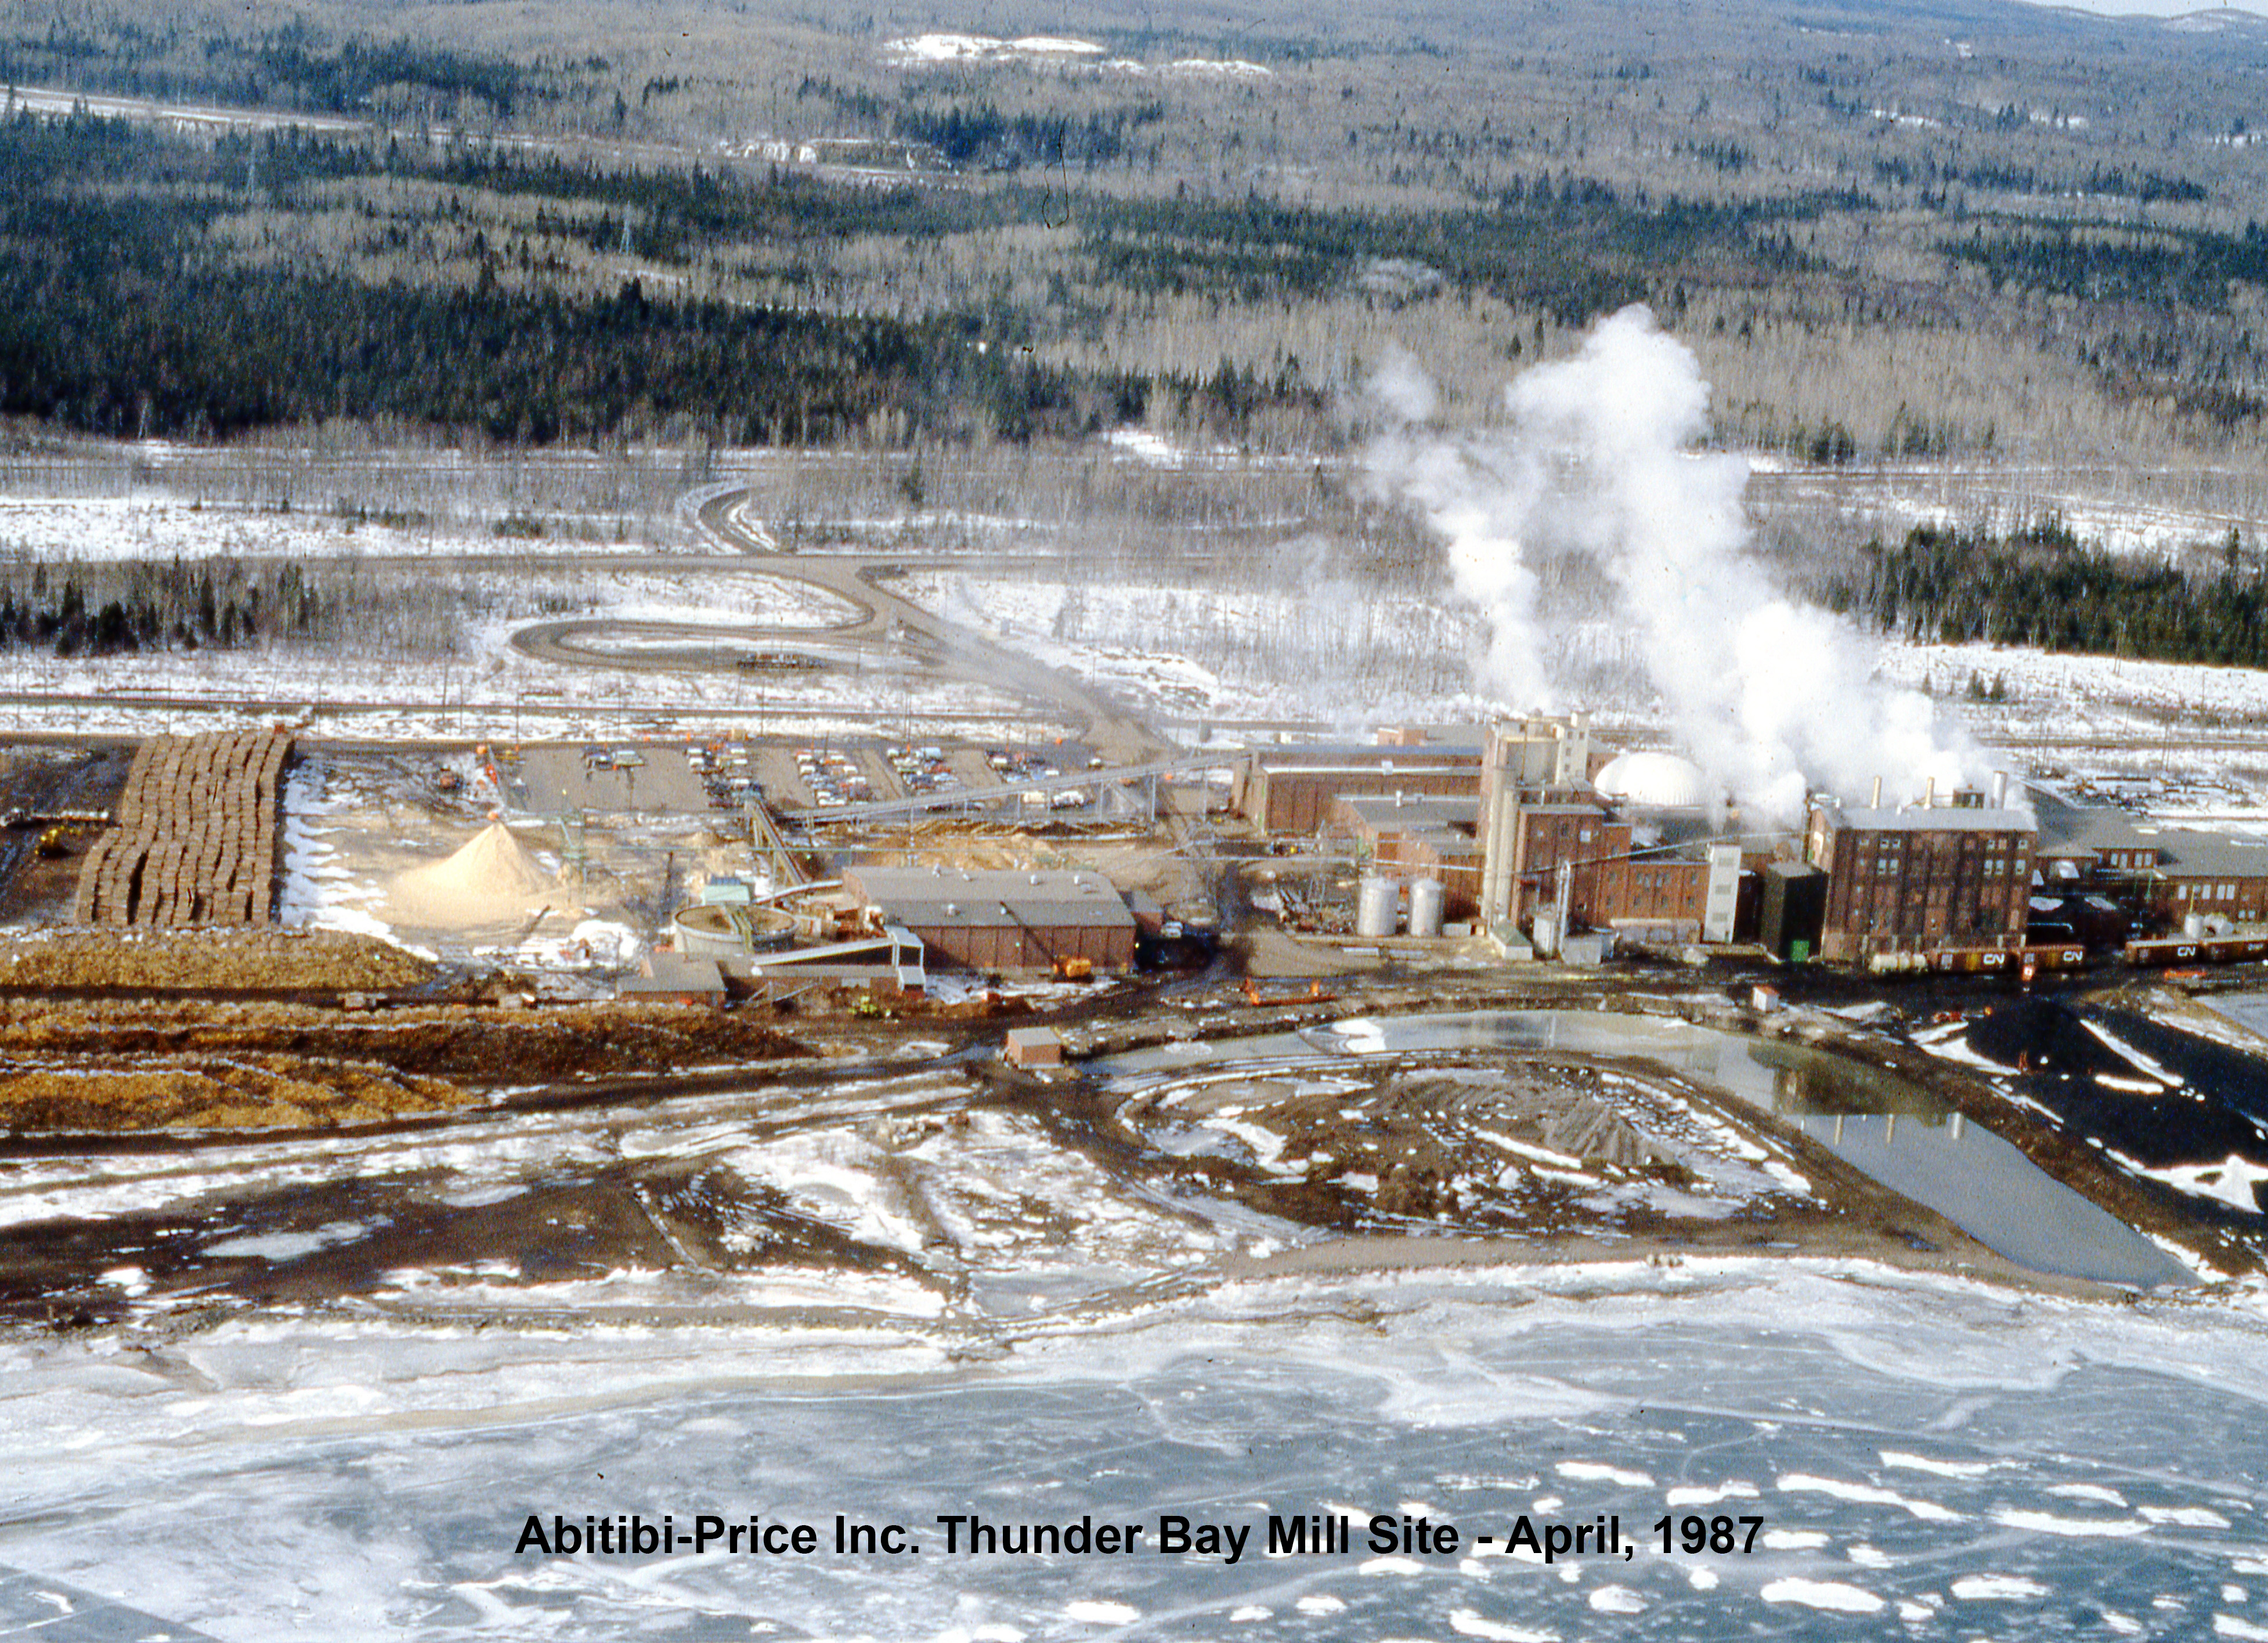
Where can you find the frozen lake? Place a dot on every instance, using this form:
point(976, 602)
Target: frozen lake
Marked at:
point(1925, 1454)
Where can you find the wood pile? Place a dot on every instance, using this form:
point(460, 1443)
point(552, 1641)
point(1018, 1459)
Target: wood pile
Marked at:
point(225, 958)
point(196, 837)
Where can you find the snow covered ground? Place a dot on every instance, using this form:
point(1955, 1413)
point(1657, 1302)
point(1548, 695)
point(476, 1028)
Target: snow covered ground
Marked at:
point(2138, 511)
point(491, 689)
point(1923, 1454)
point(344, 853)
point(161, 528)
point(1056, 51)
point(2056, 694)
point(1316, 650)
point(1335, 659)
point(1283, 652)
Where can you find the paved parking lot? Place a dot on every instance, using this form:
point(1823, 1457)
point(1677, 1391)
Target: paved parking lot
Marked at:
point(608, 778)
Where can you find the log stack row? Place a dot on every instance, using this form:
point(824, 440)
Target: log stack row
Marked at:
point(196, 837)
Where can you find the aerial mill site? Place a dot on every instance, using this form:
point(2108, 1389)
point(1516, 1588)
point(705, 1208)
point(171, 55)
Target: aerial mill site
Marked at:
point(1214, 822)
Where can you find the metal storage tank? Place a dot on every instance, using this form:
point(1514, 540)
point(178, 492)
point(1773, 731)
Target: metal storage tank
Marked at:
point(1426, 897)
point(1375, 907)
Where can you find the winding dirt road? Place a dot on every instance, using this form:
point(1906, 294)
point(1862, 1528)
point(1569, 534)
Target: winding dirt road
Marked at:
point(885, 630)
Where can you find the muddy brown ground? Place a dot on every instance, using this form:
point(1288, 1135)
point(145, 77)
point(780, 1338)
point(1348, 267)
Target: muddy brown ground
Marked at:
point(37, 781)
point(139, 1064)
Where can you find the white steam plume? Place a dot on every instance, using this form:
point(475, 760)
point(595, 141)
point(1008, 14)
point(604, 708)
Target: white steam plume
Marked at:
point(1597, 478)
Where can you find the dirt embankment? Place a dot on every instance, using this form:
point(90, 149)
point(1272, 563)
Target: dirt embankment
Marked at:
point(211, 1092)
point(308, 961)
point(133, 1066)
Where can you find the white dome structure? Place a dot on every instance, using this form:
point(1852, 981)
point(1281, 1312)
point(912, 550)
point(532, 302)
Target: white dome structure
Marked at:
point(1656, 781)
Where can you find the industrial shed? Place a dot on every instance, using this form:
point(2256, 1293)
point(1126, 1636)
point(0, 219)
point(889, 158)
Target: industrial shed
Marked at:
point(1002, 920)
point(671, 978)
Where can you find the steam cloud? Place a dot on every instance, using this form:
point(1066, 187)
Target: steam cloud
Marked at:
point(1596, 477)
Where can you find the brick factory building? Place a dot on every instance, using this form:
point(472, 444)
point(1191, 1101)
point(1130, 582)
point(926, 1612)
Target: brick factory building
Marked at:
point(2173, 873)
point(1001, 920)
point(1290, 789)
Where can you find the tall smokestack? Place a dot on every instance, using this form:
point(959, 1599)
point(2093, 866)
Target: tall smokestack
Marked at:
point(1875, 803)
point(2000, 789)
point(1929, 795)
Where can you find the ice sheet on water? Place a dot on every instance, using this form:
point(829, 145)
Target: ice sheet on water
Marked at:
point(397, 1461)
point(1837, 1597)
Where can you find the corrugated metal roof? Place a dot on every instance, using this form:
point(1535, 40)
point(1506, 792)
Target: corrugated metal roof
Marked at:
point(674, 974)
point(1341, 756)
point(1399, 767)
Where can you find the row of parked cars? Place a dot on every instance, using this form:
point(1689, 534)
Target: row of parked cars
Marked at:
point(834, 778)
point(1015, 764)
point(728, 771)
point(922, 770)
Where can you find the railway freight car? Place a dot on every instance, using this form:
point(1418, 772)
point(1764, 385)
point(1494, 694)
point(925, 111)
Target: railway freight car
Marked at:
point(2158, 953)
point(1969, 961)
point(2029, 960)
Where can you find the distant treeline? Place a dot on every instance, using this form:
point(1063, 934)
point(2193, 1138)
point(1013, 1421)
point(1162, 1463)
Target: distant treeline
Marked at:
point(983, 137)
point(1930, 172)
point(2158, 266)
point(2039, 586)
point(283, 67)
point(1574, 247)
point(129, 606)
point(160, 608)
point(116, 317)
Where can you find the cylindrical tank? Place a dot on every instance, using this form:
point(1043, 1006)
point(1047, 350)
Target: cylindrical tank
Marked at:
point(721, 932)
point(1376, 906)
point(2193, 925)
point(1425, 900)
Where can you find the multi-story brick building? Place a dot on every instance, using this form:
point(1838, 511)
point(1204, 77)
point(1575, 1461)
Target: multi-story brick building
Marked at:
point(1901, 881)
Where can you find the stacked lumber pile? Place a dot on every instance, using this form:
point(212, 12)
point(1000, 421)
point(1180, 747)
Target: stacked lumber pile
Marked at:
point(195, 837)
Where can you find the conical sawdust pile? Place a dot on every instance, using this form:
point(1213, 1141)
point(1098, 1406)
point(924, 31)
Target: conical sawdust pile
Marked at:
point(491, 878)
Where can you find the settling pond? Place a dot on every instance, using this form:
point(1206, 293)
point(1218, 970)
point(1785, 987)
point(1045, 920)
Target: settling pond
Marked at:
point(1891, 1129)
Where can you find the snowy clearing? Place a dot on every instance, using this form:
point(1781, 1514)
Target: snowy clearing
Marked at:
point(161, 528)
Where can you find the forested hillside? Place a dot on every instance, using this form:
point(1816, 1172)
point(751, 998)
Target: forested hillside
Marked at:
point(1968, 228)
